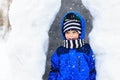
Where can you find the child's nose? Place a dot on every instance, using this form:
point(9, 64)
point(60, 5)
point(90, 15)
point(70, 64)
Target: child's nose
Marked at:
point(71, 37)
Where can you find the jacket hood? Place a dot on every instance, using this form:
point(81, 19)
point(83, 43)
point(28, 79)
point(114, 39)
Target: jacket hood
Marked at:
point(82, 23)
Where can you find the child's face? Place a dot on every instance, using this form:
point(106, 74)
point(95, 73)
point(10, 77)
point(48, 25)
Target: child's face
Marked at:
point(71, 35)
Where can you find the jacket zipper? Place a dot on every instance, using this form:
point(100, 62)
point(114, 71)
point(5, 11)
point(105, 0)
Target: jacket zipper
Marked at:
point(79, 63)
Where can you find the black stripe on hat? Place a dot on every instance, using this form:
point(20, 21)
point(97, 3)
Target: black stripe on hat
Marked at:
point(72, 25)
point(71, 21)
point(72, 28)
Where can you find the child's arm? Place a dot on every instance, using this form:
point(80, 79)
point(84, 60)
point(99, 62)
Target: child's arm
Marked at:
point(92, 66)
point(54, 67)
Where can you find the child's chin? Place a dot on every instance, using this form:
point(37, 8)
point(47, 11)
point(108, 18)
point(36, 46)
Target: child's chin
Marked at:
point(73, 39)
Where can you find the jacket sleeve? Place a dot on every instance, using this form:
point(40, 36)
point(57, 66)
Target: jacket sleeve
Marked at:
point(53, 74)
point(92, 74)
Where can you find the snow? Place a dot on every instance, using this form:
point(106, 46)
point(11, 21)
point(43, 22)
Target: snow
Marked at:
point(22, 53)
point(105, 38)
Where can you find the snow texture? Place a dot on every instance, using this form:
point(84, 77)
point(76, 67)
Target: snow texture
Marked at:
point(105, 38)
point(23, 52)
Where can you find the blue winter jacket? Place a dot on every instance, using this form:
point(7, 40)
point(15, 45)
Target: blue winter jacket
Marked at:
point(73, 64)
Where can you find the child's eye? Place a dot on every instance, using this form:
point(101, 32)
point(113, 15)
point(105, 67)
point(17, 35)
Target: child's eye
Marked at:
point(67, 32)
point(74, 32)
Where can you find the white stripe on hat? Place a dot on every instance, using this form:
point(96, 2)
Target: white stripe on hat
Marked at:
point(78, 24)
point(70, 21)
point(72, 27)
point(79, 31)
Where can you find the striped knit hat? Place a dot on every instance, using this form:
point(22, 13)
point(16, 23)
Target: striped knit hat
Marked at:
point(71, 22)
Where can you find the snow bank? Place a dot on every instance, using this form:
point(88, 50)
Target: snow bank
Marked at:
point(24, 49)
point(105, 38)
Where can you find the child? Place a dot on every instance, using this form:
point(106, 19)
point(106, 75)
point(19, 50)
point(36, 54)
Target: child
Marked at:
point(74, 60)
